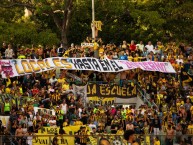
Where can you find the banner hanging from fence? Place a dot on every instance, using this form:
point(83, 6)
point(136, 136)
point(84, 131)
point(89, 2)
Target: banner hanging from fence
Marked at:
point(111, 91)
point(81, 91)
point(45, 136)
point(18, 67)
point(92, 101)
point(5, 120)
point(42, 111)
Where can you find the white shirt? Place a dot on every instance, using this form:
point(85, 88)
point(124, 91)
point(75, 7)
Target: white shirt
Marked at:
point(29, 140)
point(92, 126)
point(30, 123)
point(64, 108)
point(79, 112)
point(51, 81)
point(9, 53)
point(140, 46)
point(179, 60)
point(150, 48)
point(51, 122)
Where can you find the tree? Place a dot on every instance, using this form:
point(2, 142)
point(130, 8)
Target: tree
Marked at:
point(59, 10)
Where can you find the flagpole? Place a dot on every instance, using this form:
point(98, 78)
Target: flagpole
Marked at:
point(93, 19)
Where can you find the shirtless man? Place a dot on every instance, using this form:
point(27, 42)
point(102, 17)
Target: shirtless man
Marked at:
point(169, 135)
point(19, 133)
point(40, 52)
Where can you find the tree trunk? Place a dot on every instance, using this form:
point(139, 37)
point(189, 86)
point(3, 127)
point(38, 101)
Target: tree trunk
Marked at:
point(64, 38)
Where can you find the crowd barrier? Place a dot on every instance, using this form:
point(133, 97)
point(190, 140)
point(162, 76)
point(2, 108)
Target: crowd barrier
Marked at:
point(95, 140)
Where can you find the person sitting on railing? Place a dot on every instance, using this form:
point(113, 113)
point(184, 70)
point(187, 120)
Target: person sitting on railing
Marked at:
point(169, 135)
point(19, 134)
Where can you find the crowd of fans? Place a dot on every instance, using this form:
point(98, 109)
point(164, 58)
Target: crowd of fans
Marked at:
point(171, 94)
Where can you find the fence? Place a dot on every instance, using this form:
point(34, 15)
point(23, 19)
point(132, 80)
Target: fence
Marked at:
point(94, 140)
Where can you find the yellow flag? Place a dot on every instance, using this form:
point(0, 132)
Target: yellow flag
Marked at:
point(98, 25)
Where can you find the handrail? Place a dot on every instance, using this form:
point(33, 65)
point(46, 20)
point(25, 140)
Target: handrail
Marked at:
point(144, 96)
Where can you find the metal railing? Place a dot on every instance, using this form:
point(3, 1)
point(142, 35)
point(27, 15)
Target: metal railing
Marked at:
point(95, 139)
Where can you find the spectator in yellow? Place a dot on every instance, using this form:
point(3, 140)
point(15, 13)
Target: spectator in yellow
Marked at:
point(120, 131)
point(190, 128)
point(66, 122)
point(65, 86)
point(156, 141)
point(78, 122)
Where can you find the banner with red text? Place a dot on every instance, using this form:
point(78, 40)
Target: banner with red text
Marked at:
point(18, 67)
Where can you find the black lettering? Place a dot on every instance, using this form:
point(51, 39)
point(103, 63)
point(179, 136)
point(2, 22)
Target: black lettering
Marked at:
point(103, 65)
point(63, 141)
point(120, 67)
point(96, 64)
point(107, 64)
point(86, 63)
point(42, 130)
point(114, 66)
point(82, 66)
point(90, 61)
point(76, 65)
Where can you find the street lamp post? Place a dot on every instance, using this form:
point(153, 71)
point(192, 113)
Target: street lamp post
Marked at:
point(93, 19)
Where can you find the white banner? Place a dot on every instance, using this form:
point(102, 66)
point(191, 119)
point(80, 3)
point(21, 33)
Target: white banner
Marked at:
point(5, 120)
point(42, 111)
point(81, 91)
point(18, 67)
point(87, 44)
point(73, 76)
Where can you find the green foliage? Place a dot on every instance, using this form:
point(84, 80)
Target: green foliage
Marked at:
point(47, 37)
point(122, 20)
point(26, 33)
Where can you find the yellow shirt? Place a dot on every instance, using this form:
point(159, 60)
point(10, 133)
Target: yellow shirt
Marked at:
point(8, 82)
point(160, 47)
point(101, 50)
point(96, 46)
point(120, 132)
point(65, 124)
point(191, 98)
point(136, 59)
point(56, 97)
point(157, 142)
point(191, 109)
point(7, 90)
point(129, 111)
point(78, 123)
point(65, 87)
point(130, 58)
point(190, 129)
point(61, 81)
point(21, 90)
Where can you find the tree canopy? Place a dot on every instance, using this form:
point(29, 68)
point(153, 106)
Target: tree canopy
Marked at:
point(69, 21)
